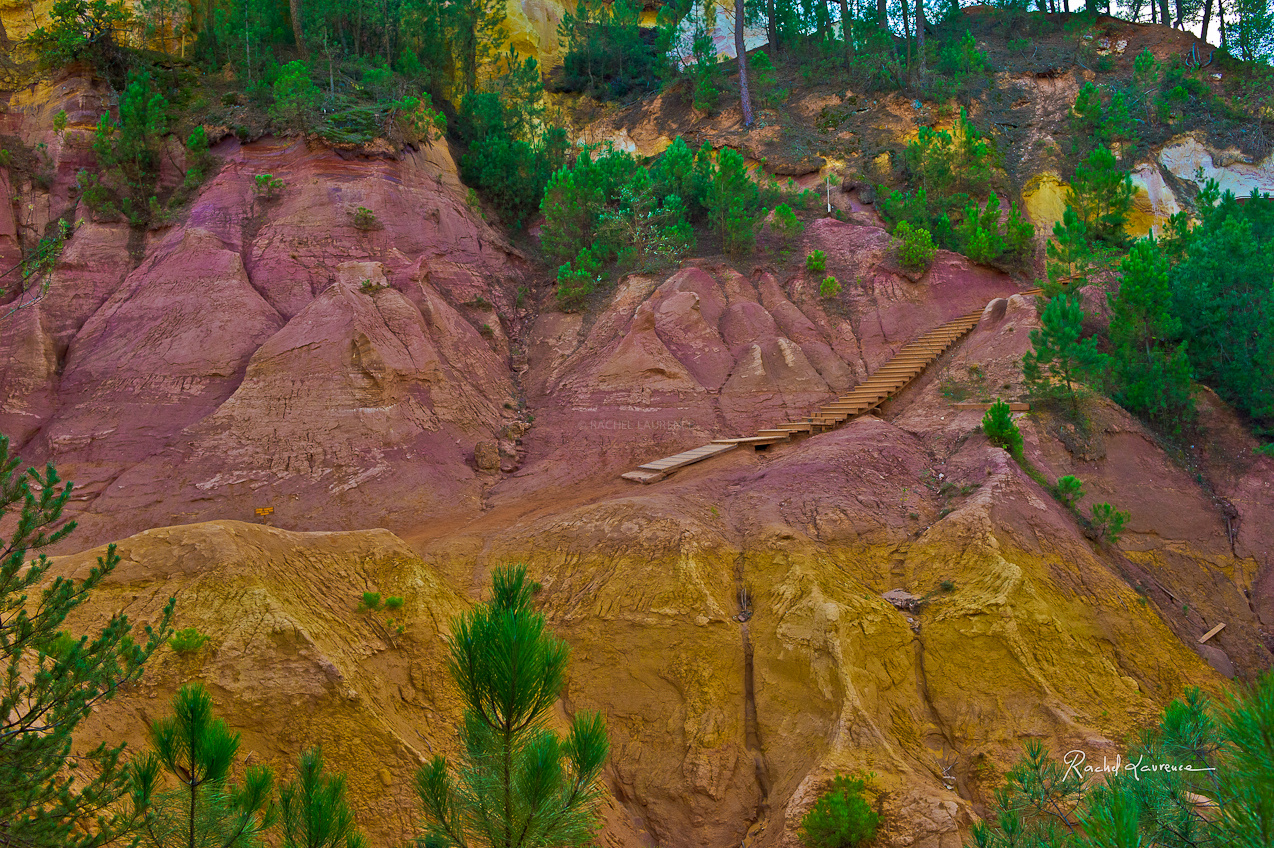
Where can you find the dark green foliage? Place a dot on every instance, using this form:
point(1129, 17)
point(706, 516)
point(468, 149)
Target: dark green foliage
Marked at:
point(983, 238)
point(52, 680)
point(187, 640)
point(704, 70)
point(1107, 522)
point(84, 31)
point(511, 154)
point(267, 186)
point(1001, 430)
point(763, 80)
point(607, 52)
point(947, 171)
point(365, 219)
point(576, 197)
point(841, 817)
point(963, 61)
point(946, 164)
point(1061, 360)
point(816, 262)
point(517, 782)
point(1220, 752)
point(607, 210)
point(199, 160)
point(1150, 371)
point(207, 808)
point(733, 200)
point(1102, 194)
point(127, 154)
point(829, 287)
point(786, 225)
point(313, 810)
point(1069, 490)
point(1097, 121)
point(1070, 255)
point(1223, 295)
point(916, 248)
point(295, 96)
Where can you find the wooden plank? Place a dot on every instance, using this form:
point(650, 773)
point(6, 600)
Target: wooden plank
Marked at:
point(643, 476)
point(752, 440)
point(672, 463)
point(1214, 631)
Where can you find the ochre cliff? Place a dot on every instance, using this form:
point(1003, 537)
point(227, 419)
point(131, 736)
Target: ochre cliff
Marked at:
point(729, 621)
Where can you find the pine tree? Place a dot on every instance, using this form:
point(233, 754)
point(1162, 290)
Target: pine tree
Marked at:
point(1151, 373)
point(207, 810)
point(313, 809)
point(1102, 194)
point(517, 783)
point(52, 680)
point(1069, 254)
point(1061, 359)
point(733, 199)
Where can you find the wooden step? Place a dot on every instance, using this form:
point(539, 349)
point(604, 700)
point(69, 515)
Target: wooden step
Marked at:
point(680, 460)
point(909, 362)
point(753, 440)
point(644, 476)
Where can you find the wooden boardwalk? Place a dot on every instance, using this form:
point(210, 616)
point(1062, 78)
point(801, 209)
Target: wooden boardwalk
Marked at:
point(907, 364)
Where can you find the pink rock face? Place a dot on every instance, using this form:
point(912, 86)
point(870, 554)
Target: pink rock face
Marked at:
point(267, 352)
point(712, 353)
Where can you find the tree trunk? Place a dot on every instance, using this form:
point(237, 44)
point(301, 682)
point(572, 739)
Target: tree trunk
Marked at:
point(208, 22)
point(882, 14)
point(771, 28)
point(1207, 19)
point(1177, 22)
point(298, 33)
point(920, 35)
point(845, 29)
point(1220, 19)
point(906, 31)
point(1164, 16)
point(742, 54)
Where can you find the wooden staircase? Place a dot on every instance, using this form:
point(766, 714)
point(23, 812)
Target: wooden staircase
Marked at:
point(887, 381)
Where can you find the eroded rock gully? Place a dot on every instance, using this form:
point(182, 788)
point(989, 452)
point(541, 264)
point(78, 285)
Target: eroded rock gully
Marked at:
point(264, 353)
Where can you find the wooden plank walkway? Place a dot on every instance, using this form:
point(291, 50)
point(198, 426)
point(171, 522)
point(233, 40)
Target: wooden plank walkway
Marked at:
point(908, 363)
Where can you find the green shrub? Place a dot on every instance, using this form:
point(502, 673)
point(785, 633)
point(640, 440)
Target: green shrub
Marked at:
point(841, 818)
point(829, 287)
point(267, 186)
point(187, 640)
point(295, 97)
point(393, 602)
point(916, 249)
point(1108, 522)
point(786, 225)
point(999, 427)
point(733, 199)
point(365, 219)
point(370, 601)
point(85, 31)
point(816, 262)
point(1069, 490)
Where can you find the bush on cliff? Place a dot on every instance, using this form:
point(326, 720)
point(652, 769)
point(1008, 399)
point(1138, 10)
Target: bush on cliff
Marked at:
point(841, 818)
point(1203, 777)
point(53, 679)
point(514, 776)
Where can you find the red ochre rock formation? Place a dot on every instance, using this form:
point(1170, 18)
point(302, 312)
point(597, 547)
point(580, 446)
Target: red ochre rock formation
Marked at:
point(267, 353)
